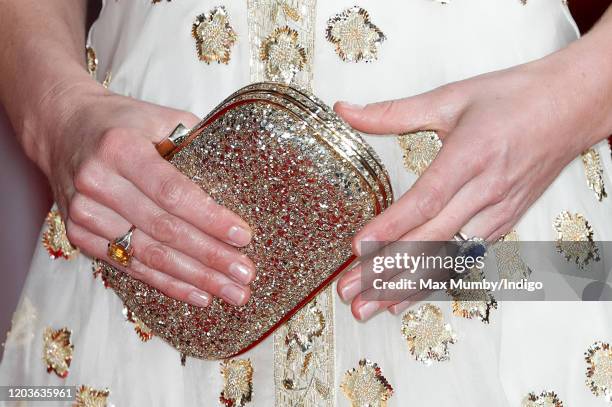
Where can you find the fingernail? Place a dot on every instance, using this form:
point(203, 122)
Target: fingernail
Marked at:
point(353, 106)
point(242, 273)
point(360, 250)
point(351, 289)
point(239, 236)
point(233, 294)
point(367, 310)
point(199, 298)
point(399, 308)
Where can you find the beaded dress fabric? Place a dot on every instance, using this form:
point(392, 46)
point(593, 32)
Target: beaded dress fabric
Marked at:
point(71, 329)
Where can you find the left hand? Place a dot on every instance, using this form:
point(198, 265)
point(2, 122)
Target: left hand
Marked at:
point(506, 136)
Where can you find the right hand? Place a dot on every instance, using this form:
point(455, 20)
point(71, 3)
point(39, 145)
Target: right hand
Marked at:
point(107, 175)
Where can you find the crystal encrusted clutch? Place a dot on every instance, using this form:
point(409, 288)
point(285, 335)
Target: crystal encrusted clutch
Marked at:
point(302, 179)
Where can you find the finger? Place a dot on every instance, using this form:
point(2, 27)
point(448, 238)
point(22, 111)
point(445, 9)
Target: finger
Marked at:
point(434, 110)
point(480, 193)
point(448, 173)
point(400, 307)
point(138, 161)
point(161, 226)
point(95, 246)
point(162, 258)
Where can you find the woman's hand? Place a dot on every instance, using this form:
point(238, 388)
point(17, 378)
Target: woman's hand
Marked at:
point(506, 136)
point(107, 175)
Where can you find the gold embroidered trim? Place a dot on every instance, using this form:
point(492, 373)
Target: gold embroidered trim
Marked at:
point(92, 61)
point(420, 149)
point(214, 36)
point(594, 173)
point(57, 351)
point(89, 397)
point(477, 303)
point(266, 16)
point(237, 382)
point(54, 239)
point(144, 332)
point(427, 334)
point(303, 347)
point(304, 355)
point(575, 238)
point(544, 399)
point(510, 264)
point(599, 370)
point(365, 386)
point(354, 36)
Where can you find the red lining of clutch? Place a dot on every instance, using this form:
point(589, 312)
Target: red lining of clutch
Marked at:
point(168, 155)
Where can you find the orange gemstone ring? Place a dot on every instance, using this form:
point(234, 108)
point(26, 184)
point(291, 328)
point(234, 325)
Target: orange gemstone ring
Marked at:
point(120, 249)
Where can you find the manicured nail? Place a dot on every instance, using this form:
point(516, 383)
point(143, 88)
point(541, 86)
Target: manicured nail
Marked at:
point(367, 310)
point(351, 289)
point(199, 298)
point(239, 236)
point(399, 308)
point(233, 294)
point(365, 246)
point(242, 273)
point(352, 106)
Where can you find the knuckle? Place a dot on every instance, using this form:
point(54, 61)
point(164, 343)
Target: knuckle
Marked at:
point(497, 189)
point(156, 256)
point(112, 142)
point(77, 209)
point(206, 280)
point(430, 203)
point(169, 194)
point(165, 228)
point(86, 178)
point(214, 255)
point(72, 234)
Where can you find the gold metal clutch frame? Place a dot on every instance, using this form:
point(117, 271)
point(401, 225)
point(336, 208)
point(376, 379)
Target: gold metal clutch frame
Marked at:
point(303, 180)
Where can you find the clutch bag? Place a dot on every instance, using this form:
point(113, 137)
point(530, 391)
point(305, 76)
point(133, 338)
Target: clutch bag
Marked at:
point(303, 180)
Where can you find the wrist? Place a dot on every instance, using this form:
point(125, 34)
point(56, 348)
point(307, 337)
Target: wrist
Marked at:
point(43, 124)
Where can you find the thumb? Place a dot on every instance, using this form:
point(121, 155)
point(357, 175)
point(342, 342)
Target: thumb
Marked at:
point(422, 112)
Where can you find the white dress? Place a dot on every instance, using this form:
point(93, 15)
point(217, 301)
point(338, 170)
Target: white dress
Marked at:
point(146, 49)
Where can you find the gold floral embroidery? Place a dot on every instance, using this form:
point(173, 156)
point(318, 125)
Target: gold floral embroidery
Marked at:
point(92, 66)
point(283, 55)
point(365, 386)
point(510, 264)
point(214, 36)
point(427, 334)
point(89, 397)
point(266, 16)
point(599, 370)
point(57, 351)
point(107, 79)
point(305, 327)
point(477, 303)
point(237, 382)
point(55, 240)
point(544, 399)
point(355, 37)
point(96, 268)
point(420, 149)
point(92, 61)
point(575, 238)
point(144, 332)
point(23, 322)
point(594, 173)
point(304, 359)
